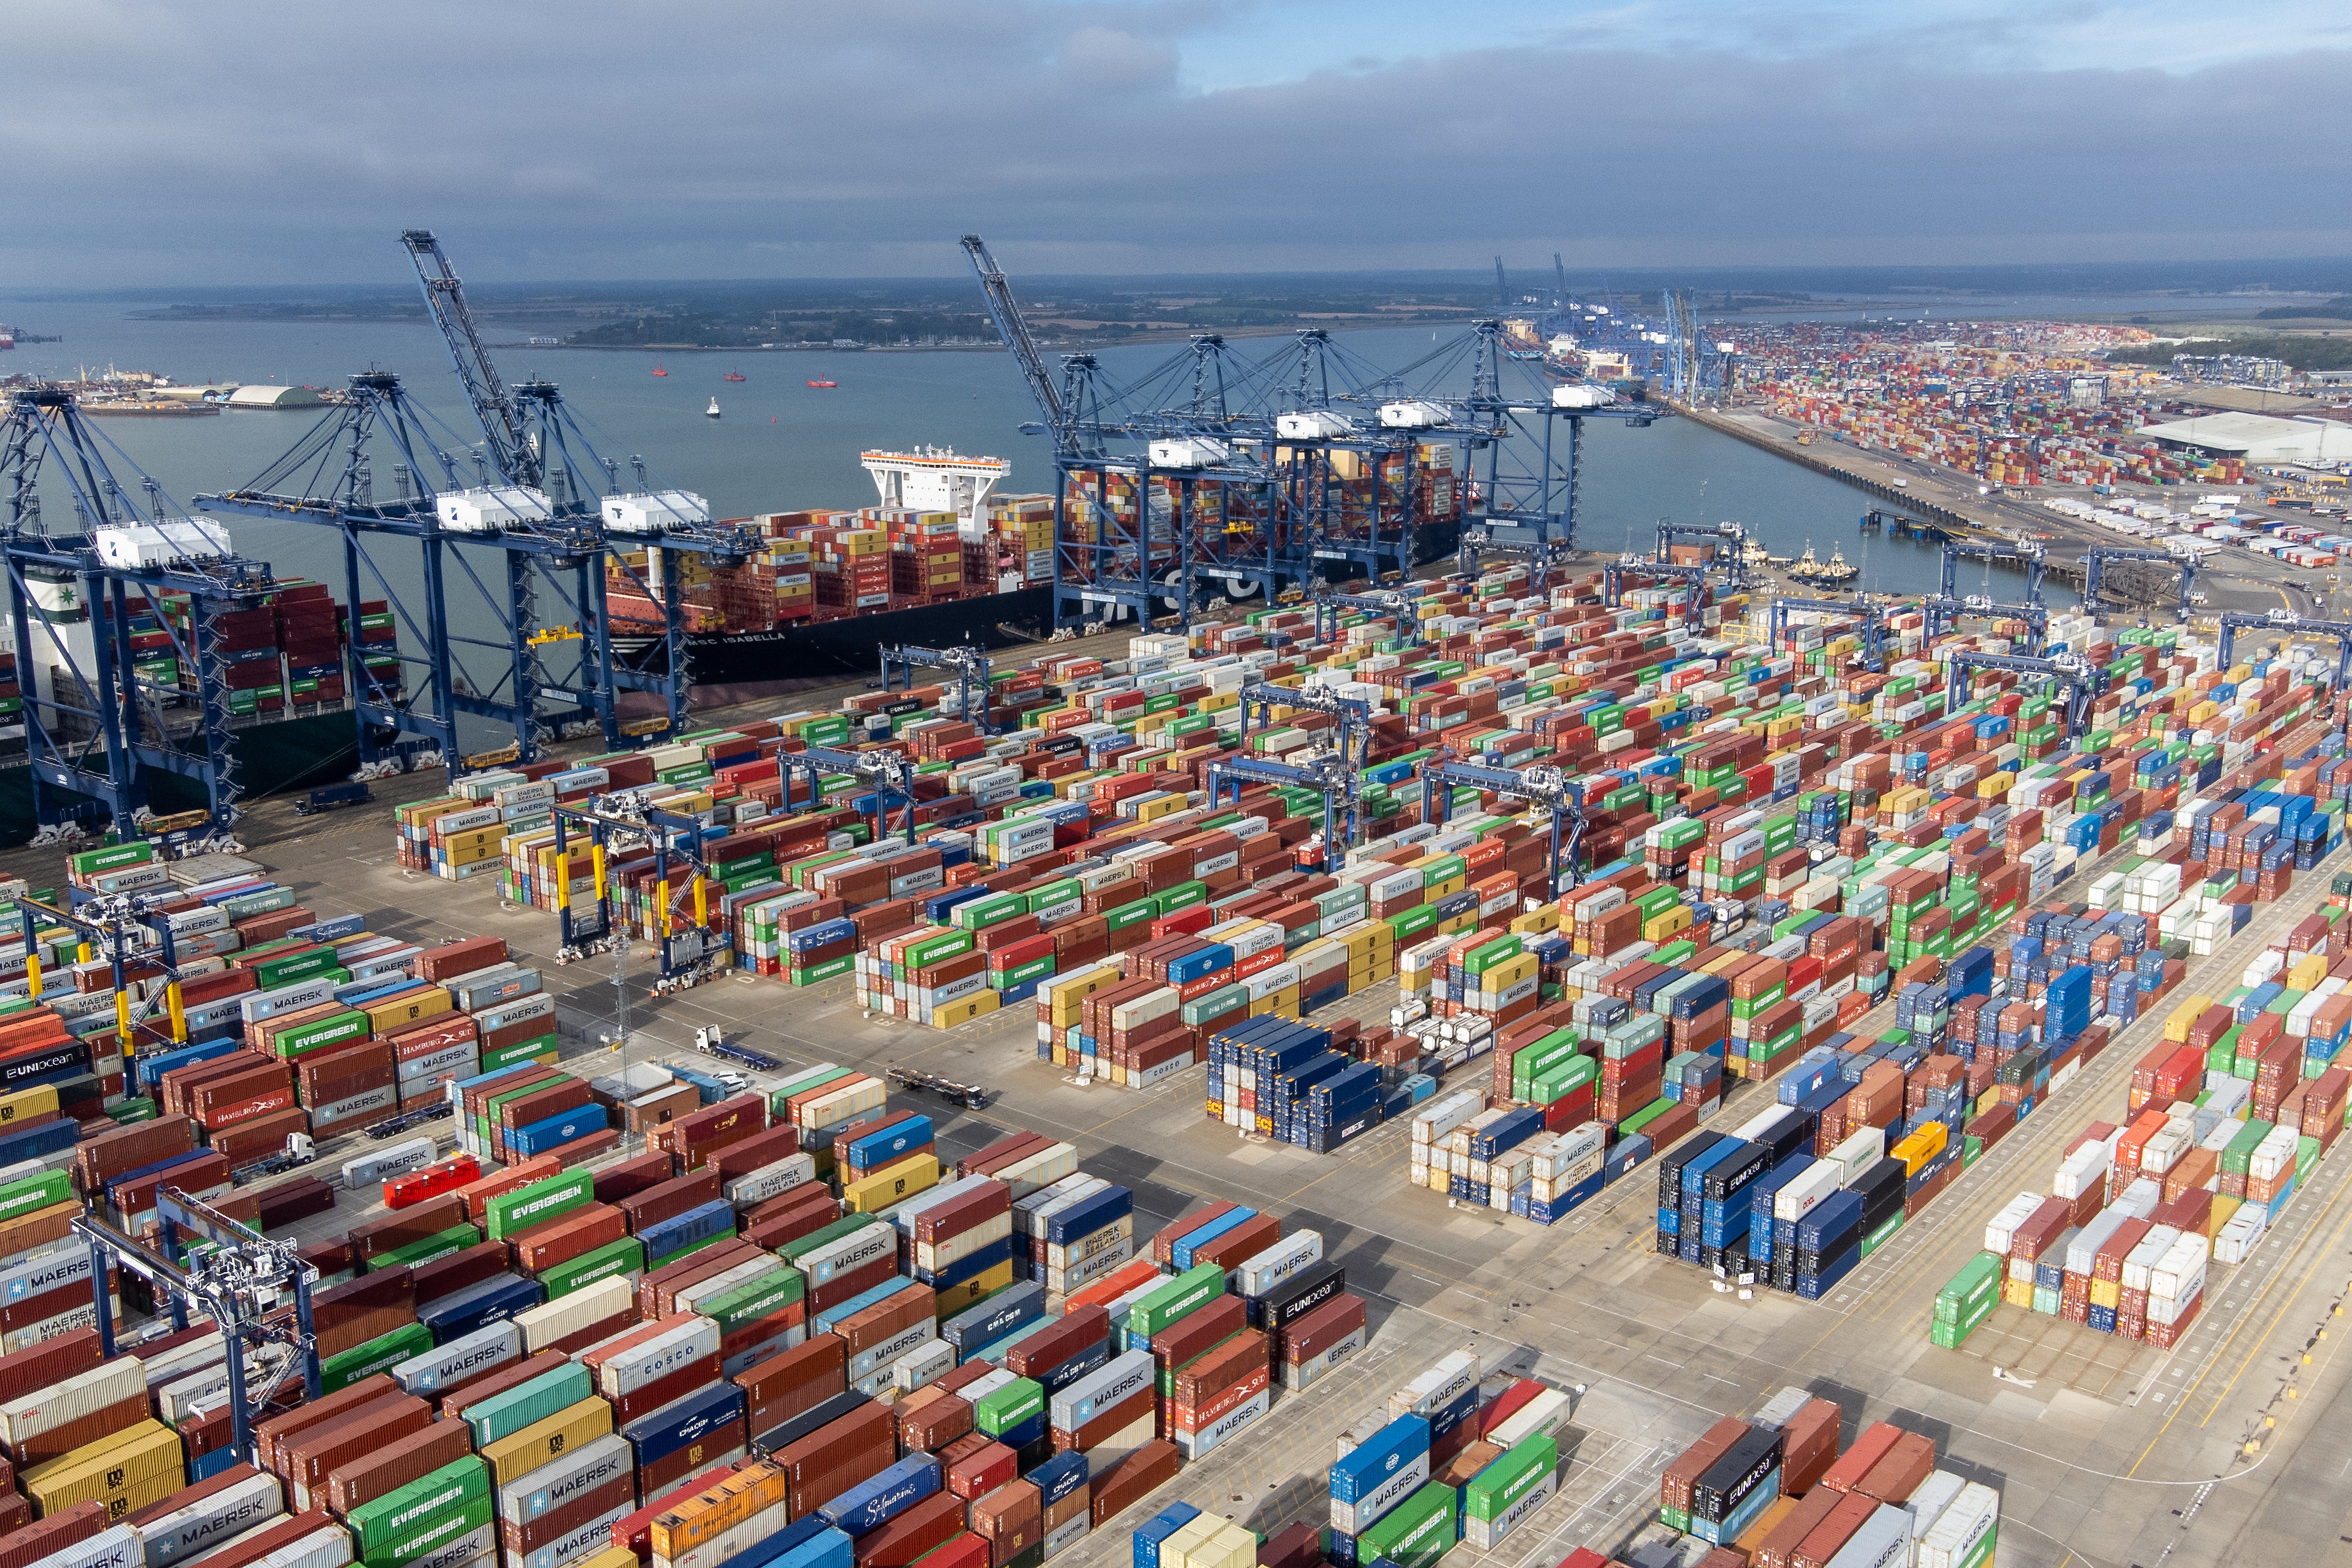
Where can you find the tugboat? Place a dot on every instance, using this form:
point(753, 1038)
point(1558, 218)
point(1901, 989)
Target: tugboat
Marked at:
point(1807, 566)
point(1838, 570)
point(658, 370)
point(734, 375)
point(713, 410)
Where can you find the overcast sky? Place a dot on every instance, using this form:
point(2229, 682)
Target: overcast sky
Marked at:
point(153, 141)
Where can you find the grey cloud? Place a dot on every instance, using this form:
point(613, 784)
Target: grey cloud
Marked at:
point(270, 143)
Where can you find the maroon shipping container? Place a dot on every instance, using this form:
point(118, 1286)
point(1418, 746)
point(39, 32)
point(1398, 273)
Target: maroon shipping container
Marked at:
point(37, 1544)
point(1197, 1333)
point(567, 1237)
point(847, 1287)
point(57, 1441)
point(457, 958)
point(980, 1471)
point(1163, 1242)
point(1246, 1240)
point(833, 1443)
point(632, 1176)
point(1836, 1528)
point(1894, 1478)
point(927, 1426)
point(1869, 1446)
point(499, 1380)
point(794, 1380)
point(1121, 1486)
point(410, 1459)
point(53, 1361)
point(1809, 1446)
point(1012, 1520)
point(1780, 1542)
point(1007, 1151)
point(709, 1263)
point(687, 1269)
point(670, 1199)
point(404, 1227)
point(1141, 1406)
point(862, 1330)
point(273, 1435)
point(467, 1266)
point(962, 1213)
point(929, 1524)
point(1075, 1332)
point(347, 1316)
point(672, 1385)
point(761, 1149)
point(313, 1456)
point(526, 1535)
point(1675, 1486)
point(261, 1540)
point(1321, 1328)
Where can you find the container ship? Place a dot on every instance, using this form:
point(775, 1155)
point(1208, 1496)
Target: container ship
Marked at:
point(942, 558)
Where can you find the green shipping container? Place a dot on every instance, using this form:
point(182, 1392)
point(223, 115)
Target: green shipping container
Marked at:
point(31, 1192)
point(541, 1201)
point(1417, 1531)
point(456, 1238)
point(520, 1051)
point(339, 1371)
point(1492, 1491)
point(1009, 1406)
point(504, 1415)
point(771, 1293)
point(1193, 1289)
point(431, 1536)
point(335, 1029)
point(612, 1261)
point(398, 1513)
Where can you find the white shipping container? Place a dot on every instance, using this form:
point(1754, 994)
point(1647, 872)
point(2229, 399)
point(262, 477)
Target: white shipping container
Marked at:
point(665, 1353)
point(567, 1315)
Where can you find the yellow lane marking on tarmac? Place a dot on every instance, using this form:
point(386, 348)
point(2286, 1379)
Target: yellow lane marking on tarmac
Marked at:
point(2245, 1320)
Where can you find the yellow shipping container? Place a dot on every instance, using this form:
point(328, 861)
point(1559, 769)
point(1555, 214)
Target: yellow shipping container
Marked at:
point(890, 1185)
point(2177, 1023)
point(564, 1432)
point(124, 1472)
point(965, 1010)
point(711, 1513)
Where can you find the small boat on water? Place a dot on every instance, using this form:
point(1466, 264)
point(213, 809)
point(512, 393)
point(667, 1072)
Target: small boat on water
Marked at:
point(734, 375)
point(713, 410)
point(658, 370)
point(826, 381)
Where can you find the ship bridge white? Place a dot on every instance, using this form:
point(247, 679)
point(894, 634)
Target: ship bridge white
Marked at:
point(939, 478)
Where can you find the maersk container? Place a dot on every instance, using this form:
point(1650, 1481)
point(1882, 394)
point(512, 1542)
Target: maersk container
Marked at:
point(1088, 1216)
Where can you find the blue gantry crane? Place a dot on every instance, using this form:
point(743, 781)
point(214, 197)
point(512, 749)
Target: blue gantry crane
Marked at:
point(2084, 682)
point(2025, 553)
point(1327, 773)
point(1941, 613)
point(1394, 604)
point(1213, 473)
point(625, 821)
point(1693, 577)
point(2288, 625)
point(1725, 543)
point(969, 666)
point(547, 508)
point(1546, 788)
point(887, 775)
point(101, 716)
point(1872, 615)
point(1351, 716)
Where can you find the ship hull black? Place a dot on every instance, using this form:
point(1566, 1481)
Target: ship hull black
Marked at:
point(825, 649)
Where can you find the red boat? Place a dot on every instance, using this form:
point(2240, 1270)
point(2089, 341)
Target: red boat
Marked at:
point(734, 375)
point(658, 370)
point(824, 384)
point(430, 1182)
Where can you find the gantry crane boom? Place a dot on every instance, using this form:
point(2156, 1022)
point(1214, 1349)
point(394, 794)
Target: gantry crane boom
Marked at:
point(494, 406)
point(1014, 329)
